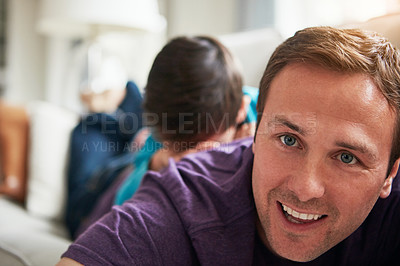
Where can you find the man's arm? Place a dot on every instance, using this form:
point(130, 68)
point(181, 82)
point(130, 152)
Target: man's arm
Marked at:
point(145, 230)
point(68, 262)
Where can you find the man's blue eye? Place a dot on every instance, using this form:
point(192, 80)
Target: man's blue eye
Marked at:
point(347, 158)
point(288, 140)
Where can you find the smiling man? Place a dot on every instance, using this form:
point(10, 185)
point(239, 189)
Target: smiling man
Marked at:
point(317, 185)
point(321, 180)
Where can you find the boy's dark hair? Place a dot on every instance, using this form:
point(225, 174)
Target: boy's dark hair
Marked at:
point(194, 90)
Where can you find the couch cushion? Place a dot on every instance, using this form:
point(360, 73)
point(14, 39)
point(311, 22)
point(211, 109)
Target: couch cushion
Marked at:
point(29, 240)
point(387, 26)
point(11, 257)
point(253, 50)
point(50, 131)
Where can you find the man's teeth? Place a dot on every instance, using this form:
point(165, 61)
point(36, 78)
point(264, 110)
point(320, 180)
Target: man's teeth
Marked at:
point(303, 216)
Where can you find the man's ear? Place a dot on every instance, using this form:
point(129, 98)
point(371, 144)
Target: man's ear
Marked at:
point(241, 115)
point(387, 186)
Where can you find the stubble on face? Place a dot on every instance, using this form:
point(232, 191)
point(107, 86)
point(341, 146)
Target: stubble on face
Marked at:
point(307, 251)
point(341, 124)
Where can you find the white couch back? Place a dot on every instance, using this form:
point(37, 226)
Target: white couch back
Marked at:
point(253, 50)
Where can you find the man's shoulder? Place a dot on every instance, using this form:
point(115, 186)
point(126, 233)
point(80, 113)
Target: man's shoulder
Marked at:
point(211, 193)
point(379, 235)
point(223, 157)
point(211, 167)
point(197, 206)
point(205, 183)
point(218, 168)
point(387, 210)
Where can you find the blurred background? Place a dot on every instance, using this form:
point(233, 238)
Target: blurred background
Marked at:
point(53, 50)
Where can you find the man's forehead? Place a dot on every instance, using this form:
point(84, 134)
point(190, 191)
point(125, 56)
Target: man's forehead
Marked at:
point(304, 123)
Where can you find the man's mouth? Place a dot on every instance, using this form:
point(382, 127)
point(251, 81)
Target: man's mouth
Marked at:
point(298, 217)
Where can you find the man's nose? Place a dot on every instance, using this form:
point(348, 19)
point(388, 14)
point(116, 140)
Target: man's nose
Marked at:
point(307, 183)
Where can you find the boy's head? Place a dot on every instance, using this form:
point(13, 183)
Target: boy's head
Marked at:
point(194, 90)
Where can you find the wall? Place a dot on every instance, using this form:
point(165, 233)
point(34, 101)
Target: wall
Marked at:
point(39, 67)
point(216, 17)
point(25, 53)
point(34, 63)
point(292, 15)
point(200, 17)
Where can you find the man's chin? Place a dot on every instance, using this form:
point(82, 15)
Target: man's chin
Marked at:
point(303, 257)
point(298, 253)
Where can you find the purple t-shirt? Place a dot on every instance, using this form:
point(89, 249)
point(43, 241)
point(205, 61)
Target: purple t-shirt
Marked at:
point(201, 211)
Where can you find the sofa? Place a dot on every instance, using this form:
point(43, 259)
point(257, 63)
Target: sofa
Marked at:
point(33, 182)
point(31, 222)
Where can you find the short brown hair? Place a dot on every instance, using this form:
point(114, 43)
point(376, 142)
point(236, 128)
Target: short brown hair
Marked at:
point(193, 78)
point(342, 50)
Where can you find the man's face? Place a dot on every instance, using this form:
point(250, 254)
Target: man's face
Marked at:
point(321, 155)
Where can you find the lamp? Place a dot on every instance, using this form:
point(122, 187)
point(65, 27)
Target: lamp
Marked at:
point(63, 21)
point(81, 17)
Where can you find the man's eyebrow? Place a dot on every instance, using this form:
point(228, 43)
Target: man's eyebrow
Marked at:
point(358, 147)
point(281, 120)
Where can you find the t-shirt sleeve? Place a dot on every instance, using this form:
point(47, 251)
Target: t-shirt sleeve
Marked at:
point(388, 236)
point(146, 230)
